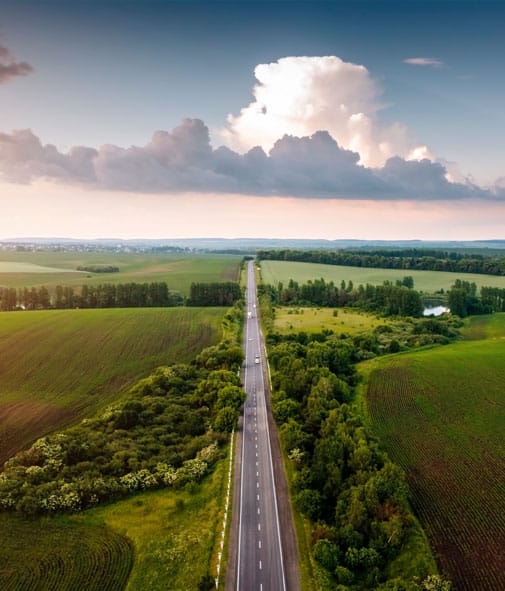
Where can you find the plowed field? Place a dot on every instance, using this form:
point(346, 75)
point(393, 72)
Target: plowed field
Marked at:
point(441, 415)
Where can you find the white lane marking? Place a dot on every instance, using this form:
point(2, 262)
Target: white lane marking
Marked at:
point(257, 497)
point(259, 526)
point(260, 565)
point(269, 452)
point(259, 511)
point(259, 544)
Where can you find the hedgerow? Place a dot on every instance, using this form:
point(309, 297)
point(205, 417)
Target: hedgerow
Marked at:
point(165, 433)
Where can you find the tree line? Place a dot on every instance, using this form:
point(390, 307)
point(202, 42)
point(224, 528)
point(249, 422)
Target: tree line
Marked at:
point(353, 495)
point(494, 297)
point(399, 299)
point(167, 432)
point(98, 268)
point(214, 294)
point(118, 295)
point(410, 259)
point(388, 299)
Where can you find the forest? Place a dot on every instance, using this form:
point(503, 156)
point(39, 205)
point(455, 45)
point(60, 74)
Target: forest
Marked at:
point(355, 498)
point(426, 260)
point(387, 299)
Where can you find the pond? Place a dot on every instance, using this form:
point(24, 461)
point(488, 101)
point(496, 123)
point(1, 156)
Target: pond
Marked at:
point(435, 311)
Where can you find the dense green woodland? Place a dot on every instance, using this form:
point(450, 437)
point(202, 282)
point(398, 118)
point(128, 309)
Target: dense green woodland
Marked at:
point(355, 498)
point(214, 294)
point(119, 295)
point(386, 299)
point(426, 260)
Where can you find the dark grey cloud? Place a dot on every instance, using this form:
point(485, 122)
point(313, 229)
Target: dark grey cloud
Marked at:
point(24, 159)
point(9, 68)
point(183, 160)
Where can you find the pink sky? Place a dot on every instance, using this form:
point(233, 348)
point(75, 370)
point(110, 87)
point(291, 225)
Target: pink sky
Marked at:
point(45, 209)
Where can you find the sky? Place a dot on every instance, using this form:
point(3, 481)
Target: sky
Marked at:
point(160, 119)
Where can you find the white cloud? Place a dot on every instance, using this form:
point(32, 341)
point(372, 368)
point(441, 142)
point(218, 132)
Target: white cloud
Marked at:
point(302, 95)
point(424, 61)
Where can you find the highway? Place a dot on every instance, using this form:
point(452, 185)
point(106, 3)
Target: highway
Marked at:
point(259, 565)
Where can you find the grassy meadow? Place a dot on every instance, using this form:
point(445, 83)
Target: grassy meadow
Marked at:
point(273, 272)
point(156, 540)
point(295, 319)
point(439, 413)
point(57, 366)
point(173, 533)
point(179, 270)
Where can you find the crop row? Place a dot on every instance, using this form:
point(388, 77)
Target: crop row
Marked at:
point(455, 491)
point(94, 559)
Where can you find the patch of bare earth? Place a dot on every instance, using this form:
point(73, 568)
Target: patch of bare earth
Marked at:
point(23, 422)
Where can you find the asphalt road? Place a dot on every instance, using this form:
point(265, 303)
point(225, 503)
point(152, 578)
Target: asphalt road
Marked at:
point(260, 565)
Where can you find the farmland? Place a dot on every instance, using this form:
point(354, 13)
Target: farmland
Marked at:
point(439, 413)
point(144, 542)
point(62, 554)
point(273, 272)
point(173, 532)
point(59, 366)
point(33, 269)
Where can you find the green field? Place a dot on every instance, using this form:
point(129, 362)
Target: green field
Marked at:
point(273, 272)
point(33, 269)
point(153, 541)
point(347, 321)
point(62, 554)
point(57, 366)
point(440, 415)
point(173, 532)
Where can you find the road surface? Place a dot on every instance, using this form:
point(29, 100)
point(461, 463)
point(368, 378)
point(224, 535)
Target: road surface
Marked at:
point(259, 557)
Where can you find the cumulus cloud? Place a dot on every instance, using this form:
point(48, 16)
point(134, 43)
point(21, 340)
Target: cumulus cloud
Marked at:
point(9, 68)
point(424, 61)
point(302, 95)
point(183, 160)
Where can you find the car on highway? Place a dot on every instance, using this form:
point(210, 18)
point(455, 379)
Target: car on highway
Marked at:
point(257, 359)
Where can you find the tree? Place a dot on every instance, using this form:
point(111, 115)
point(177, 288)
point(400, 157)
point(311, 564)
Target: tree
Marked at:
point(226, 419)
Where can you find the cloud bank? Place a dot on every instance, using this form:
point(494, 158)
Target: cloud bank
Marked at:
point(302, 95)
point(183, 160)
point(9, 68)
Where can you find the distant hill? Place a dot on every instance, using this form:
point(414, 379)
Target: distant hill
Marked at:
point(238, 244)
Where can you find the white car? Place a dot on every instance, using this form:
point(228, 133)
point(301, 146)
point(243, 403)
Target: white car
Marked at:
point(257, 359)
